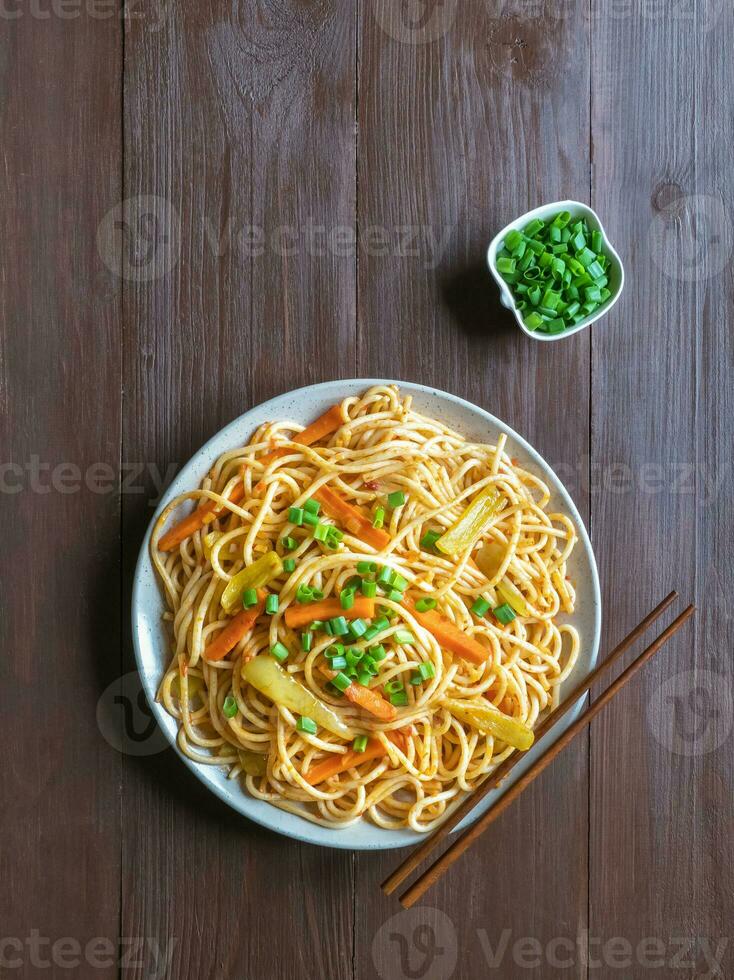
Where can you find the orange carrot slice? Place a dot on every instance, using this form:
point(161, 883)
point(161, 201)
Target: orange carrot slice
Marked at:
point(450, 637)
point(352, 518)
point(365, 697)
point(323, 426)
point(303, 613)
point(340, 763)
point(235, 630)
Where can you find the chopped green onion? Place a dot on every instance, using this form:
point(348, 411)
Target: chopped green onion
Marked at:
point(312, 506)
point(335, 650)
point(399, 583)
point(597, 241)
point(306, 641)
point(506, 266)
point(403, 636)
point(395, 595)
point(366, 567)
point(339, 626)
point(396, 499)
point(534, 227)
point(346, 598)
point(425, 672)
point(393, 687)
point(271, 604)
point(339, 663)
point(399, 699)
point(249, 598)
point(425, 604)
point(304, 593)
point(360, 743)
point(306, 725)
point(385, 576)
point(513, 239)
point(358, 627)
point(481, 607)
point(295, 515)
point(370, 633)
point(280, 652)
point(289, 565)
point(378, 652)
point(341, 682)
point(364, 677)
point(369, 589)
point(505, 613)
point(229, 708)
point(381, 623)
point(310, 518)
point(289, 544)
point(321, 532)
point(429, 539)
point(379, 519)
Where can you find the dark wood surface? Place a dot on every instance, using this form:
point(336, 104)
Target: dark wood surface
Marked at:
point(204, 205)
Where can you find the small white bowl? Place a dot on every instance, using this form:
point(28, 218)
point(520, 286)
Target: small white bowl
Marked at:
point(578, 210)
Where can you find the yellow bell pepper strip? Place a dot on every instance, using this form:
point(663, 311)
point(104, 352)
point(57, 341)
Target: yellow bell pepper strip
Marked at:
point(303, 613)
point(488, 719)
point(352, 518)
point(489, 561)
point(269, 678)
point(449, 636)
point(235, 630)
point(253, 764)
point(475, 520)
point(325, 425)
point(342, 762)
point(366, 698)
point(257, 575)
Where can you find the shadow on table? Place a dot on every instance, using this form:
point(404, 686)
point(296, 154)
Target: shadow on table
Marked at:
point(472, 298)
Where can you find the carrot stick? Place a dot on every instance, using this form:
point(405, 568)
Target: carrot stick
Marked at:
point(235, 630)
point(340, 763)
point(352, 518)
point(450, 637)
point(303, 613)
point(323, 426)
point(365, 697)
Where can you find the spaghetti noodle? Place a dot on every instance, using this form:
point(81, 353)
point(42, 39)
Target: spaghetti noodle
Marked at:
point(400, 634)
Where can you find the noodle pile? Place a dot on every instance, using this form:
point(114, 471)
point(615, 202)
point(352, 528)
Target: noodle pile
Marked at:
point(382, 446)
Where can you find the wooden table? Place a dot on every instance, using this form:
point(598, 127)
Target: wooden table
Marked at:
point(207, 204)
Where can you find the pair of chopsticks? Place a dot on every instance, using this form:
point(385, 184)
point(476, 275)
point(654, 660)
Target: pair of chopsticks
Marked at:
point(467, 838)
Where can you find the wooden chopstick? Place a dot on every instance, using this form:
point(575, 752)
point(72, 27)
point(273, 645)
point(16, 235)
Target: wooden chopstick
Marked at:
point(462, 843)
point(423, 850)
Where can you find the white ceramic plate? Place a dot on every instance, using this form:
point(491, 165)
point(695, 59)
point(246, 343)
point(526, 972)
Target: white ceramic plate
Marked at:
point(304, 405)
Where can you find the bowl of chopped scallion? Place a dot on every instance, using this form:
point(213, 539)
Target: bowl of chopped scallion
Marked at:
point(556, 269)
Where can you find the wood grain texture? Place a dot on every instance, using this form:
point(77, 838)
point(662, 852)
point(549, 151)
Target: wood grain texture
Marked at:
point(307, 191)
point(59, 416)
point(661, 783)
point(456, 138)
point(243, 122)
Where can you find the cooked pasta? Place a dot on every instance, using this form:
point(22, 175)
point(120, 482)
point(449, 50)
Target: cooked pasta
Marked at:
point(366, 615)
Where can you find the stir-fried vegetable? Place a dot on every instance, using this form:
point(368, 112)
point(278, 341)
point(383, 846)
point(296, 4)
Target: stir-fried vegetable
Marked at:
point(475, 520)
point(366, 698)
point(235, 631)
point(449, 636)
point(352, 518)
point(302, 614)
point(269, 678)
point(253, 763)
point(255, 576)
point(489, 559)
point(323, 426)
point(488, 719)
point(340, 763)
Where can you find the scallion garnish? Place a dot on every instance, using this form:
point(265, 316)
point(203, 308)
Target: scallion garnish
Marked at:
point(346, 598)
point(295, 516)
point(249, 598)
point(426, 604)
point(396, 499)
point(280, 652)
point(368, 588)
point(306, 641)
point(360, 743)
point(481, 607)
point(505, 613)
point(312, 506)
point(271, 604)
point(429, 539)
point(229, 708)
point(306, 725)
point(289, 544)
point(341, 682)
point(565, 258)
point(399, 699)
point(289, 565)
point(378, 520)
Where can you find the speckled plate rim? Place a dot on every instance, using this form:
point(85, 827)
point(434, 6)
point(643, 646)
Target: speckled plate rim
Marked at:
point(303, 405)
